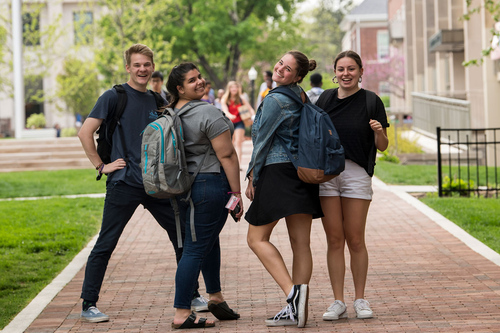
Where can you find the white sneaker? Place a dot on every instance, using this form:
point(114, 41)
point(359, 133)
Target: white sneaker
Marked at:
point(199, 304)
point(362, 308)
point(283, 318)
point(93, 315)
point(336, 311)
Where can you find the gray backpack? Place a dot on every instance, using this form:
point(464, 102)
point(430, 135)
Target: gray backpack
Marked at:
point(163, 163)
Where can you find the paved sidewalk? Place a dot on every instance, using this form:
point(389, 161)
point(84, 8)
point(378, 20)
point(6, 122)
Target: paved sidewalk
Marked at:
point(421, 279)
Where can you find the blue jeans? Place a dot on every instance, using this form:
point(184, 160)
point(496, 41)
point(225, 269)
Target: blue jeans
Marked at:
point(119, 206)
point(210, 195)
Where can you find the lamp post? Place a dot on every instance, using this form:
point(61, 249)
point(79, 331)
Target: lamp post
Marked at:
point(17, 41)
point(252, 75)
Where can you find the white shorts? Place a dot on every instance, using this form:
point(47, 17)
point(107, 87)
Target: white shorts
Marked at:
point(353, 182)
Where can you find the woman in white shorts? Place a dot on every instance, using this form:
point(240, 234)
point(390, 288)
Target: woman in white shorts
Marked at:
point(360, 119)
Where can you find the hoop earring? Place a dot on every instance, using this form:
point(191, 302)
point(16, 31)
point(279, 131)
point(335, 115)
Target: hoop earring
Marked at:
point(334, 79)
point(360, 79)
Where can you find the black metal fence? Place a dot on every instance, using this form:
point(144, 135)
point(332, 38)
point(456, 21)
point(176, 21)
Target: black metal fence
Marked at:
point(468, 159)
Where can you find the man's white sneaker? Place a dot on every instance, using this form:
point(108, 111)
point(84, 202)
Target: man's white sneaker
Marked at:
point(362, 308)
point(199, 304)
point(336, 311)
point(93, 315)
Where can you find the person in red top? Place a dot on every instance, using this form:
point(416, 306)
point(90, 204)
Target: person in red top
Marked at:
point(232, 101)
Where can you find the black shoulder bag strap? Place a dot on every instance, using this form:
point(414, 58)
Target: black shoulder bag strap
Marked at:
point(120, 108)
point(371, 107)
point(161, 104)
point(326, 97)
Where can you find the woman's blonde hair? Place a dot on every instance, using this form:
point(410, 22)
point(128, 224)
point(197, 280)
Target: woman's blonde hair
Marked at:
point(227, 93)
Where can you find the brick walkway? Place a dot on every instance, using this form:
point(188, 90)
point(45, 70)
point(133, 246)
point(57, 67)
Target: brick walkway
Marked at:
point(421, 279)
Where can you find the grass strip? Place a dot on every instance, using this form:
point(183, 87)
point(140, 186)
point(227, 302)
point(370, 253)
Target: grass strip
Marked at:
point(399, 174)
point(50, 183)
point(38, 238)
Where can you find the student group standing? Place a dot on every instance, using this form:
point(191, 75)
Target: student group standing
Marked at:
point(274, 189)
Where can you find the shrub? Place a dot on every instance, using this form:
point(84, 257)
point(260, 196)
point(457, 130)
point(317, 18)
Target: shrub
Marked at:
point(69, 131)
point(386, 100)
point(456, 185)
point(386, 156)
point(36, 120)
point(404, 144)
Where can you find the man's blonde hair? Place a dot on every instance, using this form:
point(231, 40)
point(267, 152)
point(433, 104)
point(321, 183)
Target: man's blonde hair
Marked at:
point(138, 48)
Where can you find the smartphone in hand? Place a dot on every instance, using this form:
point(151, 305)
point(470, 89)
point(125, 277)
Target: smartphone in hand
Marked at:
point(235, 211)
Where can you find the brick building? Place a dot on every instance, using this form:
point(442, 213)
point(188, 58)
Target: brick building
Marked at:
point(367, 33)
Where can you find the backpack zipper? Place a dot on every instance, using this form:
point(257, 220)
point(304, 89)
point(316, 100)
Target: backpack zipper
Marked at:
point(157, 127)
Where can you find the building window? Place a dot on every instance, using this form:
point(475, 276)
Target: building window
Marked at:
point(33, 87)
point(31, 29)
point(82, 22)
point(383, 45)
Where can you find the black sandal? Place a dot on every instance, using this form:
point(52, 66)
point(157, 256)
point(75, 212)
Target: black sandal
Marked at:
point(222, 311)
point(190, 323)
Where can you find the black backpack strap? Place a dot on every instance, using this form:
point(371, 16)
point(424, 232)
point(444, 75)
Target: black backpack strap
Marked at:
point(371, 103)
point(326, 97)
point(371, 107)
point(160, 102)
point(114, 118)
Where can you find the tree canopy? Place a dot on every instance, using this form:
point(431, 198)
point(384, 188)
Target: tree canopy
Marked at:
point(492, 8)
point(218, 35)
point(77, 86)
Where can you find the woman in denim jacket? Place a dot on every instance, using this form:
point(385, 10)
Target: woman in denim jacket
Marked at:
point(277, 192)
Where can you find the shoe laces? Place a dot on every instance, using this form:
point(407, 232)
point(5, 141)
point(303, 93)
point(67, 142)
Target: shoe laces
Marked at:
point(93, 309)
point(337, 306)
point(285, 313)
point(362, 304)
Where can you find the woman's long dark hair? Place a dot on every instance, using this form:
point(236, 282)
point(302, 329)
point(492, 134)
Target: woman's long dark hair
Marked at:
point(176, 78)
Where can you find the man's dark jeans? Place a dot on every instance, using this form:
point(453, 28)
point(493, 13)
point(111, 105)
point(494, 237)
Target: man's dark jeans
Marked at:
point(119, 206)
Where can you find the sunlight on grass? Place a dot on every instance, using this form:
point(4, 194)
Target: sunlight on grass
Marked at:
point(478, 216)
point(49, 183)
point(37, 240)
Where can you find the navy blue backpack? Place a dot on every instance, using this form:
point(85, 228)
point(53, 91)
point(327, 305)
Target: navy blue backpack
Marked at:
point(320, 156)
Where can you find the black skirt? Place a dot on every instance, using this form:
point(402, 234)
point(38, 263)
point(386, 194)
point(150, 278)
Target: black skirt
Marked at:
point(280, 193)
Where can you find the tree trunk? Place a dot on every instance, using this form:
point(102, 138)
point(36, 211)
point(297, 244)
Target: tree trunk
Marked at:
point(217, 82)
point(236, 62)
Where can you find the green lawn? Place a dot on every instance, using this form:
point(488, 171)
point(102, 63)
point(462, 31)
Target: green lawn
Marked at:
point(38, 238)
point(50, 183)
point(478, 216)
point(398, 174)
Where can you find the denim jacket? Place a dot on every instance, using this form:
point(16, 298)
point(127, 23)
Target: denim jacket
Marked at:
point(276, 115)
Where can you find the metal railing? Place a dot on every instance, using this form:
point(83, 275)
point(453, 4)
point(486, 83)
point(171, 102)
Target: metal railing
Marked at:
point(472, 158)
point(430, 111)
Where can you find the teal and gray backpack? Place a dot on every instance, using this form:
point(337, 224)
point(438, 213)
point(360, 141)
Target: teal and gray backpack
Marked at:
point(163, 162)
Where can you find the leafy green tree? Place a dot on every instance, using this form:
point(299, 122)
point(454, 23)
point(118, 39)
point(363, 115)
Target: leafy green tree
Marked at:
point(491, 8)
point(221, 34)
point(3, 51)
point(323, 31)
point(78, 86)
point(128, 22)
point(38, 48)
